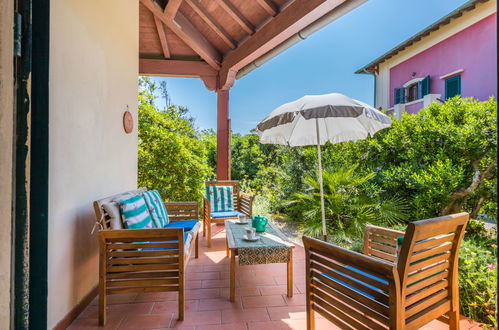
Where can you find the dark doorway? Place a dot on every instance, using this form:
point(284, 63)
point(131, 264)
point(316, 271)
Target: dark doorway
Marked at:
point(30, 195)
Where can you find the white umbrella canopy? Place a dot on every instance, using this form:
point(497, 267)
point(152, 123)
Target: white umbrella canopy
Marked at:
point(316, 119)
point(339, 117)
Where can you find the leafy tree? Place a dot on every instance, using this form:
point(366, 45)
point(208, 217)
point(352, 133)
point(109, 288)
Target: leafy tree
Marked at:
point(171, 156)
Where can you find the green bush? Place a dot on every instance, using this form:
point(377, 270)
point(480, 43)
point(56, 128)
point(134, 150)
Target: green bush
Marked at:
point(171, 157)
point(478, 276)
point(347, 202)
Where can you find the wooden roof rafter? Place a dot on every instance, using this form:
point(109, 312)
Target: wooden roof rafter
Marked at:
point(184, 29)
point(212, 23)
point(236, 15)
point(269, 7)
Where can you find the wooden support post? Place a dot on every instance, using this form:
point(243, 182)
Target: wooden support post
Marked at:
point(290, 273)
point(223, 135)
point(232, 294)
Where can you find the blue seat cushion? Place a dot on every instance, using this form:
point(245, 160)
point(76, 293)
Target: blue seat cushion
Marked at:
point(186, 224)
point(227, 214)
point(357, 280)
point(187, 243)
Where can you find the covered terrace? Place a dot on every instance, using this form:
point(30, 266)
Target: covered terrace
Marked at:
point(68, 83)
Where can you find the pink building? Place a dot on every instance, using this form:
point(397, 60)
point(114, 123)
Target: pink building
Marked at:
point(455, 55)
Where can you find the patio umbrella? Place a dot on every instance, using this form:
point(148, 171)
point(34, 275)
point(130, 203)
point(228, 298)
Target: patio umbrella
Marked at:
point(316, 119)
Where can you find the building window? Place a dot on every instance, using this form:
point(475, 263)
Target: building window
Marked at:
point(452, 86)
point(412, 90)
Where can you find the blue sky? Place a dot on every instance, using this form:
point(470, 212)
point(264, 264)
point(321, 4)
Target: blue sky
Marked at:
point(323, 63)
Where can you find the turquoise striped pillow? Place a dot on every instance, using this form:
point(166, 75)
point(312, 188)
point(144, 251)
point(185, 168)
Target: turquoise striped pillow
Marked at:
point(220, 198)
point(134, 212)
point(156, 208)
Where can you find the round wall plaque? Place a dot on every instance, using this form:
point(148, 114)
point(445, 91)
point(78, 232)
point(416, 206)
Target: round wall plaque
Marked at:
point(128, 122)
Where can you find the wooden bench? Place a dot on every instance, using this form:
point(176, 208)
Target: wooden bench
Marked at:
point(145, 260)
point(370, 291)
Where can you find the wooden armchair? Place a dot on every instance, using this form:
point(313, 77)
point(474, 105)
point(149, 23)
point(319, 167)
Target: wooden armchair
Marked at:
point(369, 291)
point(243, 203)
point(145, 260)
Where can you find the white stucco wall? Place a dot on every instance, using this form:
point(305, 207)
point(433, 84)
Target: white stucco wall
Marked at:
point(468, 18)
point(6, 140)
point(93, 77)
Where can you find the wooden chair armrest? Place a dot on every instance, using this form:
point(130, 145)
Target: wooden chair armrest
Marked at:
point(178, 211)
point(246, 204)
point(206, 208)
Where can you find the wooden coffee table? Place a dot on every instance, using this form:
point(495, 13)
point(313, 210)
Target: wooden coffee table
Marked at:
point(272, 247)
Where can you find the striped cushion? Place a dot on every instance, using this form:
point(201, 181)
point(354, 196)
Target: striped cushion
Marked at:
point(220, 198)
point(134, 212)
point(156, 208)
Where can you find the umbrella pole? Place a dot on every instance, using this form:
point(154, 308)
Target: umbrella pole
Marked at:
point(319, 158)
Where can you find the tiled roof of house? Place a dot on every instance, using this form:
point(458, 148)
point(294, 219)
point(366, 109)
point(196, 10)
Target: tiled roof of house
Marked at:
point(469, 5)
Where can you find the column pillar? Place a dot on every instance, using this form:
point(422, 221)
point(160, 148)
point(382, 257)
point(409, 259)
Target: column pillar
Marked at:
point(223, 135)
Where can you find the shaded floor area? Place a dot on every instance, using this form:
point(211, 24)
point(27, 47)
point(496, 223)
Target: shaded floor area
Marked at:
point(261, 301)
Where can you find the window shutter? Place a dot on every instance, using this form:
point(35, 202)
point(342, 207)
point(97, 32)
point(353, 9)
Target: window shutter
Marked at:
point(452, 86)
point(420, 90)
point(425, 86)
point(399, 95)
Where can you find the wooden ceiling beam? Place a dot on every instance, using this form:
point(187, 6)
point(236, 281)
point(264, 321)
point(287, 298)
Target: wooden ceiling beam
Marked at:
point(236, 15)
point(162, 37)
point(172, 7)
point(187, 32)
point(291, 20)
point(269, 6)
point(211, 22)
point(175, 68)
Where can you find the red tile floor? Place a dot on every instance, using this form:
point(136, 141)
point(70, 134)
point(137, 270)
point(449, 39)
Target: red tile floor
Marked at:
point(261, 301)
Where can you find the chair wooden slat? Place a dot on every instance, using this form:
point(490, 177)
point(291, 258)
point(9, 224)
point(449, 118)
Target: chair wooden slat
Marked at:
point(420, 255)
point(321, 281)
point(146, 283)
point(349, 272)
point(334, 314)
point(426, 316)
point(391, 241)
point(384, 248)
point(425, 303)
point(144, 275)
point(430, 261)
point(367, 309)
point(425, 244)
point(355, 284)
point(383, 255)
point(172, 288)
point(430, 280)
point(346, 309)
point(142, 261)
point(122, 254)
point(414, 298)
point(139, 245)
point(421, 274)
